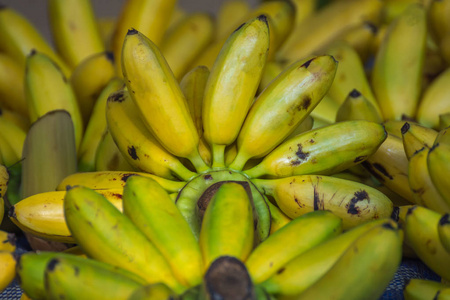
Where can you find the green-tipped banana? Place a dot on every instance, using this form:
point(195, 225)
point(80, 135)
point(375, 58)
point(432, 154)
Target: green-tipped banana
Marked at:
point(444, 231)
point(416, 136)
point(357, 107)
point(325, 150)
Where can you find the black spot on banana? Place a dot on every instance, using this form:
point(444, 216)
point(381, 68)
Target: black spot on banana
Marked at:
point(132, 152)
point(358, 196)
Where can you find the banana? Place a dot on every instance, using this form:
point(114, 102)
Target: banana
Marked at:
point(112, 238)
point(136, 143)
point(8, 267)
point(19, 37)
point(47, 89)
point(230, 15)
point(304, 9)
point(421, 234)
point(13, 135)
point(416, 136)
point(361, 37)
point(7, 241)
point(416, 289)
point(271, 70)
point(357, 107)
point(444, 231)
point(227, 226)
point(156, 291)
point(378, 250)
point(18, 119)
point(442, 137)
point(396, 81)
point(306, 125)
point(114, 180)
point(293, 239)
point(318, 152)
point(394, 127)
point(89, 78)
point(438, 19)
point(106, 26)
point(389, 165)
point(325, 111)
point(434, 100)
point(305, 269)
point(438, 161)
point(95, 127)
point(353, 202)
point(12, 94)
point(151, 17)
point(43, 215)
point(9, 155)
point(283, 105)
point(278, 219)
point(444, 120)
point(74, 30)
point(186, 41)
point(4, 181)
point(80, 278)
point(160, 101)
point(108, 156)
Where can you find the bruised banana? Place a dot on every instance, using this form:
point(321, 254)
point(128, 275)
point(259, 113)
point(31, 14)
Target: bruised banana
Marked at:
point(325, 150)
point(444, 231)
point(159, 99)
point(111, 237)
point(353, 202)
point(293, 239)
point(284, 104)
point(357, 107)
point(416, 136)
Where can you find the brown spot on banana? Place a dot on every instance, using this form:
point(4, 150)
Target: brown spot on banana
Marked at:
point(358, 196)
point(382, 170)
point(132, 152)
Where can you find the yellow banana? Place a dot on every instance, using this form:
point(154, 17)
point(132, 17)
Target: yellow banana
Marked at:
point(151, 17)
point(278, 219)
point(271, 70)
point(156, 291)
point(442, 137)
point(293, 239)
point(8, 267)
point(306, 125)
point(9, 156)
point(230, 15)
point(394, 127)
point(74, 30)
point(283, 105)
point(304, 9)
point(160, 101)
point(325, 111)
point(396, 81)
point(361, 37)
point(12, 94)
point(137, 143)
point(324, 150)
point(13, 135)
point(227, 226)
point(112, 238)
point(7, 241)
point(18, 119)
point(186, 41)
point(19, 37)
point(357, 107)
point(47, 89)
point(417, 288)
point(438, 161)
point(106, 26)
point(88, 80)
point(444, 231)
point(353, 202)
point(439, 23)
point(444, 120)
point(416, 136)
point(150, 208)
point(95, 127)
point(108, 156)
point(209, 55)
point(421, 234)
point(305, 269)
point(177, 15)
point(43, 215)
point(378, 250)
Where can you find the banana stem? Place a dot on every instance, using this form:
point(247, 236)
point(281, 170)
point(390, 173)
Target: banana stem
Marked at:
point(199, 163)
point(218, 154)
point(238, 162)
point(183, 173)
point(266, 186)
point(256, 171)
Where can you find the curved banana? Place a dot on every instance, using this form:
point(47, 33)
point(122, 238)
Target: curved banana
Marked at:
point(361, 37)
point(19, 119)
point(230, 15)
point(444, 231)
point(325, 112)
point(278, 219)
point(283, 105)
point(161, 104)
point(106, 26)
point(7, 241)
point(13, 135)
point(156, 291)
point(8, 267)
point(137, 143)
point(353, 202)
point(357, 107)
point(112, 238)
point(395, 80)
point(438, 161)
point(438, 19)
point(324, 150)
point(150, 208)
point(12, 93)
point(271, 70)
point(444, 121)
point(443, 137)
point(293, 239)
point(417, 288)
point(416, 136)
point(108, 156)
point(74, 30)
point(43, 215)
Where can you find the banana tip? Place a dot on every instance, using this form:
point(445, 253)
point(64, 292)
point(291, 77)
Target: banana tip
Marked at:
point(132, 31)
point(445, 219)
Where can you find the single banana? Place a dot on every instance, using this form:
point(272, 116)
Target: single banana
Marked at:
point(442, 137)
point(232, 85)
point(305, 269)
point(271, 70)
point(89, 78)
point(43, 215)
point(416, 136)
point(324, 150)
point(156, 291)
point(230, 15)
point(12, 93)
point(325, 111)
point(293, 239)
point(47, 89)
point(353, 202)
point(7, 241)
point(108, 156)
point(106, 26)
point(304, 9)
point(18, 119)
point(137, 143)
point(283, 105)
point(444, 231)
point(227, 226)
point(357, 107)
point(278, 219)
point(378, 250)
point(421, 234)
point(112, 238)
point(8, 267)
point(438, 19)
point(13, 139)
point(396, 81)
point(417, 288)
point(444, 120)
point(160, 101)
point(74, 30)
point(438, 161)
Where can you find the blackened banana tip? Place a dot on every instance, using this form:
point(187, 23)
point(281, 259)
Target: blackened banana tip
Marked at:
point(405, 127)
point(445, 219)
point(372, 27)
point(306, 64)
point(52, 264)
point(109, 56)
point(355, 93)
point(395, 214)
point(388, 226)
point(32, 52)
point(12, 212)
point(262, 18)
point(132, 31)
point(411, 209)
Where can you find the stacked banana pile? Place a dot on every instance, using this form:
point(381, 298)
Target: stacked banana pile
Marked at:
point(283, 151)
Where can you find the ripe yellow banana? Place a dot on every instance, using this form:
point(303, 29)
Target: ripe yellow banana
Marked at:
point(17, 118)
point(106, 26)
point(439, 23)
point(283, 105)
point(444, 231)
point(293, 239)
point(47, 89)
point(227, 226)
point(421, 234)
point(74, 30)
point(230, 15)
point(232, 85)
point(357, 107)
point(278, 219)
point(443, 136)
point(397, 71)
point(438, 161)
point(112, 238)
point(353, 202)
point(12, 94)
point(43, 215)
point(304, 9)
point(8, 267)
point(417, 288)
point(7, 241)
point(325, 112)
point(108, 156)
point(324, 150)
point(444, 120)
point(14, 136)
point(416, 136)
point(156, 291)
point(160, 101)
